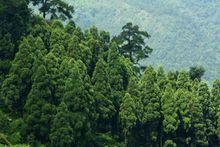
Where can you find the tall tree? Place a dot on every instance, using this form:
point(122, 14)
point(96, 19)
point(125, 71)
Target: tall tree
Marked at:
point(118, 77)
point(170, 120)
point(183, 81)
point(205, 100)
point(39, 108)
point(61, 131)
point(127, 115)
point(196, 72)
point(6, 55)
point(132, 43)
point(54, 8)
point(103, 97)
point(15, 17)
point(79, 102)
point(151, 100)
point(16, 86)
point(216, 110)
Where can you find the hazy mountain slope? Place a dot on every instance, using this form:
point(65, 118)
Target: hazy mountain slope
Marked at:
point(184, 32)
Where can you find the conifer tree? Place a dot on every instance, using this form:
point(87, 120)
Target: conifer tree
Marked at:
point(183, 97)
point(61, 131)
point(79, 51)
point(132, 43)
point(161, 78)
point(196, 72)
point(151, 104)
point(127, 115)
point(197, 125)
point(16, 87)
point(183, 80)
point(15, 18)
point(6, 55)
point(170, 122)
point(42, 30)
point(205, 100)
point(216, 108)
point(52, 67)
point(55, 8)
point(39, 108)
point(117, 77)
point(96, 51)
point(79, 103)
point(103, 97)
point(134, 91)
point(70, 27)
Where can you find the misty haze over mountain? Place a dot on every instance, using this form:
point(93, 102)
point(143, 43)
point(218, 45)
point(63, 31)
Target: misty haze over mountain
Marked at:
point(184, 32)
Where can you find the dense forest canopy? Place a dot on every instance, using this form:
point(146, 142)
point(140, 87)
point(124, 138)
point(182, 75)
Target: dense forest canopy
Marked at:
point(184, 32)
point(61, 85)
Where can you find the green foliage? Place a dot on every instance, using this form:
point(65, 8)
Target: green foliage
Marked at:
point(15, 17)
point(170, 122)
point(103, 97)
point(169, 143)
point(39, 108)
point(68, 87)
point(54, 8)
point(184, 33)
point(6, 54)
point(132, 43)
point(127, 114)
point(196, 72)
point(150, 95)
point(79, 100)
point(61, 131)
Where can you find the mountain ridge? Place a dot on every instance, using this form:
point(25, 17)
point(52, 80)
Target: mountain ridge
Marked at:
point(184, 33)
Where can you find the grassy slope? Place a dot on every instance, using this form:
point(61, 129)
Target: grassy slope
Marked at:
point(184, 32)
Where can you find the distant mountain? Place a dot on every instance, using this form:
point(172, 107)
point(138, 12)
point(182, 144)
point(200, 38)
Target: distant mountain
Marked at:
point(184, 32)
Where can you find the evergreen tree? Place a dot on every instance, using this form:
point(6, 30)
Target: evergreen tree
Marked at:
point(132, 43)
point(15, 88)
point(103, 97)
point(52, 67)
point(118, 81)
point(70, 27)
point(169, 143)
point(60, 38)
point(161, 78)
point(183, 80)
point(196, 72)
point(197, 125)
point(42, 30)
point(183, 97)
point(6, 55)
point(61, 131)
point(216, 110)
point(151, 100)
point(134, 91)
point(207, 108)
point(127, 115)
point(54, 8)
point(170, 121)
point(15, 18)
point(39, 108)
point(96, 51)
point(79, 103)
point(79, 51)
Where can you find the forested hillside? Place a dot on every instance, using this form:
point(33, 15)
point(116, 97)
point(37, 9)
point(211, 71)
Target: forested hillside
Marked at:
point(63, 86)
point(184, 32)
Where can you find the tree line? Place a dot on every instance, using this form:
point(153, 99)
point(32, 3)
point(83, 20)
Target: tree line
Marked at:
point(62, 86)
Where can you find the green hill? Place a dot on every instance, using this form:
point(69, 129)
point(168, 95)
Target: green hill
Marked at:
point(184, 32)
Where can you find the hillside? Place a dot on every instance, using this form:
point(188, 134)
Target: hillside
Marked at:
point(64, 86)
point(184, 32)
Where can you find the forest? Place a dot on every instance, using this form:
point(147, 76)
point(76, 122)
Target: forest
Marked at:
point(64, 86)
